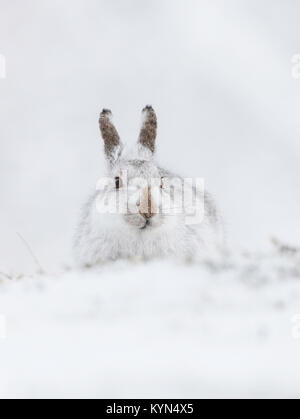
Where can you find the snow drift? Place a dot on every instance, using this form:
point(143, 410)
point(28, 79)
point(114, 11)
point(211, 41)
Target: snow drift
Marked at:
point(159, 330)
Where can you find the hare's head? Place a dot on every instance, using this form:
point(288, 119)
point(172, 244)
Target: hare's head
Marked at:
point(137, 183)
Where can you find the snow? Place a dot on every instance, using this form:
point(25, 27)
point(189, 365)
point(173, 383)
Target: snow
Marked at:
point(157, 330)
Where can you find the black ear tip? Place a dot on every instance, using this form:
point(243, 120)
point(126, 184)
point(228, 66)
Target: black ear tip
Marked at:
point(148, 108)
point(106, 112)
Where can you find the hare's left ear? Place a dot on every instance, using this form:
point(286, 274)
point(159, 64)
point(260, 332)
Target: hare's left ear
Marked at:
point(148, 132)
point(112, 143)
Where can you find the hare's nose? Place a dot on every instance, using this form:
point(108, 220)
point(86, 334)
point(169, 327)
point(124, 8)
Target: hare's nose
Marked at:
point(147, 207)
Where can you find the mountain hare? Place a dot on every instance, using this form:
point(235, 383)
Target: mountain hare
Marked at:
point(141, 210)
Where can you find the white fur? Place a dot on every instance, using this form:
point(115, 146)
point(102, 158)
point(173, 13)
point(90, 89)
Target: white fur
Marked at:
point(105, 237)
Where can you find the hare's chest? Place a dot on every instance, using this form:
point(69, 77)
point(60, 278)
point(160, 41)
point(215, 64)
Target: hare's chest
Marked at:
point(150, 245)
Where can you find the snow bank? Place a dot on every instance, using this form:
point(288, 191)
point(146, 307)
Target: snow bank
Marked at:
point(155, 330)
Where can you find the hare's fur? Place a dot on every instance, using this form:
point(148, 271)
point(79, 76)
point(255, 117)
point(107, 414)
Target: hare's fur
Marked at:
point(136, 235)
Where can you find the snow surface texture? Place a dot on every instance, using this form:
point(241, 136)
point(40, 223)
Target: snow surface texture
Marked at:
point(219, 75)
point(128, 330)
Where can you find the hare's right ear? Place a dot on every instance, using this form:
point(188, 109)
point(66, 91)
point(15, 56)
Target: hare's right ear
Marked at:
point(148, 132)
point(112, 143)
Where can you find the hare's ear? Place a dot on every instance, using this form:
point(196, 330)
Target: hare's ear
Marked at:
point(149, 129)
point(112, 143)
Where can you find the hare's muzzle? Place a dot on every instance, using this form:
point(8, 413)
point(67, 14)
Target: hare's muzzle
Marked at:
point(147, 207)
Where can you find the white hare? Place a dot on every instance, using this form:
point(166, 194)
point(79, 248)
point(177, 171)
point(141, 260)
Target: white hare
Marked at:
point(128, 218)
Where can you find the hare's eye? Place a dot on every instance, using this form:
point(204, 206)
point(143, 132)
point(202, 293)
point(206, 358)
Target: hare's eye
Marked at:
point(118, 182)
point(162, 183)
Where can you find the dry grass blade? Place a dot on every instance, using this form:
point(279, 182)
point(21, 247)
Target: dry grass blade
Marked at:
point(40, 271)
